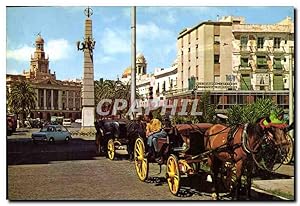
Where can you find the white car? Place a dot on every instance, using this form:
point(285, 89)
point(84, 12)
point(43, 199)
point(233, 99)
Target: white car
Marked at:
point(79, 121)
point(67, 122)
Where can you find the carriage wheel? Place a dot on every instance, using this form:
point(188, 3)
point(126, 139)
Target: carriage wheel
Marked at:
point(141, 163)
point(111, 149)
point(289, 149)
point(173, 175)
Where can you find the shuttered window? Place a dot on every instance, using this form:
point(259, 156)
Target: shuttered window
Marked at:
point(277, 63)
point(244, 62)
point(278, 82)
point(245, 82)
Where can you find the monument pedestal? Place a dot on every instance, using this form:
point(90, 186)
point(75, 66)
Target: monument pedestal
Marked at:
point(88, 118)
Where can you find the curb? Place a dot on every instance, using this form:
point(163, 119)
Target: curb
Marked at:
point(268, 193)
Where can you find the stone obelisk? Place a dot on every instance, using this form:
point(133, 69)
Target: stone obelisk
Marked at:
point(88, 97)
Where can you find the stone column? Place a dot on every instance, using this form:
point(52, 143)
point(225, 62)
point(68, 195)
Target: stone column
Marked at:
point(45, 99)
point(59, 100)
point(88, 102)
point(52, 105)
point(67, 106)
point(37, 99)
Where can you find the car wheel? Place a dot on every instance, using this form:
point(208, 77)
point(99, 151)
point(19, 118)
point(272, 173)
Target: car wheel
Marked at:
point(67, 139)
point(51, 140)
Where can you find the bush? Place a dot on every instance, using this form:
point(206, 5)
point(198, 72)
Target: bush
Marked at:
point(250, 113)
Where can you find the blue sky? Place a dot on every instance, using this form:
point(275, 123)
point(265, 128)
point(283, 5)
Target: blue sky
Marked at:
point(157, 31)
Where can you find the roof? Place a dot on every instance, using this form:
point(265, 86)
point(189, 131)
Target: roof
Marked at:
point(186, 31)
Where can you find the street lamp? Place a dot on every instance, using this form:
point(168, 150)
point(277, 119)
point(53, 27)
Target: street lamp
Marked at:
point(291, 88)
point(88, 43)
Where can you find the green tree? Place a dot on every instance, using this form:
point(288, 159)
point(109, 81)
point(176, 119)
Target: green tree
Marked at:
point(208, 109)
point(21, 99)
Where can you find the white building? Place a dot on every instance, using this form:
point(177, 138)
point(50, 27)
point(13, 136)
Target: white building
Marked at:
point(159, 83)
point(165, 81)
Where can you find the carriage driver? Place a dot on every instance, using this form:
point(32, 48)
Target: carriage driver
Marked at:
point(153, 132)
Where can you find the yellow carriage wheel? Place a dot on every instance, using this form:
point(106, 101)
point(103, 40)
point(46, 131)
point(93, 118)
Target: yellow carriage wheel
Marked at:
point(173, 174)
point(140, 162)
point(289, 147)
point(111, 149)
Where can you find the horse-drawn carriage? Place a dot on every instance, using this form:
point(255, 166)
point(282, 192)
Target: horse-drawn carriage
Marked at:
point(117, 137)
point(229, 150)
point(179, 152)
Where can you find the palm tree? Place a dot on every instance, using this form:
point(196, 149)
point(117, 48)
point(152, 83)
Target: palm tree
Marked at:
point(250, 113)
point(21, 99)
point(110, 89)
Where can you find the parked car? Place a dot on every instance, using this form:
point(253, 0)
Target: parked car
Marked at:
point(79, 121)
point(67, 122)
point(52, 133)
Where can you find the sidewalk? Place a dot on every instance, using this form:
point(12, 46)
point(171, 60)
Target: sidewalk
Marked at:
point(282, 188)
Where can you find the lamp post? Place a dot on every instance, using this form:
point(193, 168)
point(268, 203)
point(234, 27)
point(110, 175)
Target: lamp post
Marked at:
point(291, 88)
point(133, 56)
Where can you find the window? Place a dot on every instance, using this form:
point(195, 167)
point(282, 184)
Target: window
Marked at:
point(189, 36)
point(245, 82)
point(196, 34)
point(217, 59)
point(276, 43)
point(277, 63)
point(157, 88)
point(217, 39)
point(244, 41)
point(196, 51)
point(244, 62)
point(261, 62)
point(164, 86)
point(260, 42)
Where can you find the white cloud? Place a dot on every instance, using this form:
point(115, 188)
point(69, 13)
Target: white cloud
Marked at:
point(100, 59)
point(12, 71)
point(56, 49)
point(170, 18)
point(21, 54)
point(151, 31)
point(115, 41)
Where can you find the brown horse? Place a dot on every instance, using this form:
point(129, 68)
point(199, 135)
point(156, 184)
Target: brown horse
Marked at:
point(236, 146)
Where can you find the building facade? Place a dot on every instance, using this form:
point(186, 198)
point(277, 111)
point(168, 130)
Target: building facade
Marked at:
point(230, 54)
point(54, 97)
point(203, 54)
point(262, 55)
point(228, 57)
